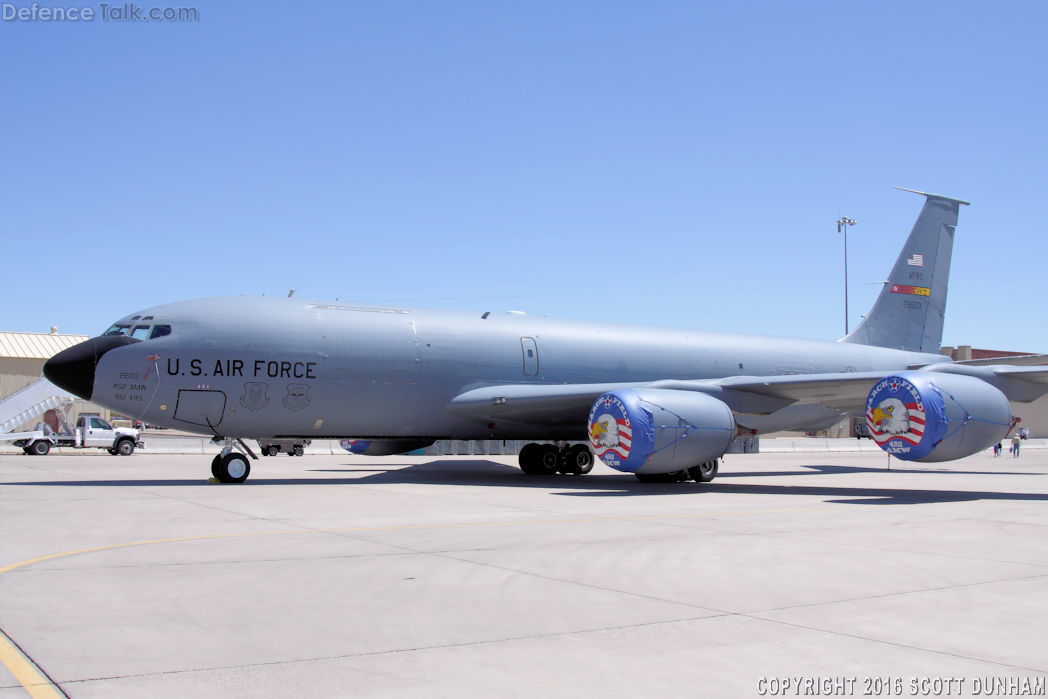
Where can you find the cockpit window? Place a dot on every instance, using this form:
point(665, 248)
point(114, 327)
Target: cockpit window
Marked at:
point(139, 332)
point(118, 329)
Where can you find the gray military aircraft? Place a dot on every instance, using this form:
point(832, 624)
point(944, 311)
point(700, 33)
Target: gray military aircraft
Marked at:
point(662, 404)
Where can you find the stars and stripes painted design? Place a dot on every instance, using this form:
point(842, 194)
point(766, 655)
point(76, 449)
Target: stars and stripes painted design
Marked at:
point(882, 433)
point(915, 260)
point(906, 415)
point(611, 436)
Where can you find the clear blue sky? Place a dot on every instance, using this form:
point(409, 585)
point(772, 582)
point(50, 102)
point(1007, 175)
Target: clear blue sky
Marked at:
point(495, 155)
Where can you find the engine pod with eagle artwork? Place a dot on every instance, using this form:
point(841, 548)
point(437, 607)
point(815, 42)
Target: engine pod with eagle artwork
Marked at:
point(920, 416)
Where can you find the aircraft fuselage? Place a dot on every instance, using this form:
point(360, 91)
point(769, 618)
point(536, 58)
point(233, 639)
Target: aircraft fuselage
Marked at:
point(264, 367)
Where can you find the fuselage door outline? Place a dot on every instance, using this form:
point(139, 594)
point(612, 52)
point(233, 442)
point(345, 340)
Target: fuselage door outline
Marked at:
point(530, 351)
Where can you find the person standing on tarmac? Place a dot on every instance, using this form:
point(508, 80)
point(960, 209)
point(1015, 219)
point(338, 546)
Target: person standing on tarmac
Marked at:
point(1016, 441)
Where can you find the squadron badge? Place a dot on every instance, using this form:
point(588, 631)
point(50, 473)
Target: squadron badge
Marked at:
point(297, 396)
point(255, 395)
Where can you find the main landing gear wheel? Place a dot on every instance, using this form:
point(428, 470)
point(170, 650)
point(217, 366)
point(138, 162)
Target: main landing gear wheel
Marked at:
point(706, 472)
point(538, 459)
point(231, 468)
point(703, 473)
point(575, 460)
point(548, 459)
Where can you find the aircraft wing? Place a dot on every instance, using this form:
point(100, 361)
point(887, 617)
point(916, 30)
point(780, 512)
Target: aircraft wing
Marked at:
point(1038, 374)
point(533, 403)
point(554, 404)
point(1020, 360)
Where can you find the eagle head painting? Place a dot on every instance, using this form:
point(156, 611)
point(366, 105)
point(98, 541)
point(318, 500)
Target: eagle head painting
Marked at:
point(891, 417)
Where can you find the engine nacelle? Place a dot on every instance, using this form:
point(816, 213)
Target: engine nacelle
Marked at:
point(659, 430)
point(383, 447)
point(929, 416)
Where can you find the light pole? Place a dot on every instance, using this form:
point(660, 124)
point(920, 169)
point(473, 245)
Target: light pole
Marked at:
point(842, 227)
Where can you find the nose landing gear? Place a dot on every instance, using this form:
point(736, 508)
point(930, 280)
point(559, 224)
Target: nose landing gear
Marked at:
point(231, 466)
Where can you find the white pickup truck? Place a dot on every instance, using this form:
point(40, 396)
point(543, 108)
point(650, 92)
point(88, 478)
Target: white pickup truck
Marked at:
point(91, 432)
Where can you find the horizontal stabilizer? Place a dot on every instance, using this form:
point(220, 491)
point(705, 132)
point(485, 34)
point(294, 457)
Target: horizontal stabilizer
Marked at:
point(937, 196)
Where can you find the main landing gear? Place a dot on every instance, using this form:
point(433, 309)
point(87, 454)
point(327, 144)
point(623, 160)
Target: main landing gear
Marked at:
point(231, 466)
point(703, 473)
point(548, 459)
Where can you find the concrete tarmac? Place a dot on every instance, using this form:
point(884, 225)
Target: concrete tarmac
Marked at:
point(459, 576)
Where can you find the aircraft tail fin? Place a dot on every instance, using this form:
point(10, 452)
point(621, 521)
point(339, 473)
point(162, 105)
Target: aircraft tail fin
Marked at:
point(909, 312)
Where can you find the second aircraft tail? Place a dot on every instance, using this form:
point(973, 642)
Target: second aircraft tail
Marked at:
point(909, 312)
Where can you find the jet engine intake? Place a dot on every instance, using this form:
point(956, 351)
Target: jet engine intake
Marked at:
point(929, 416)
point(659, 430)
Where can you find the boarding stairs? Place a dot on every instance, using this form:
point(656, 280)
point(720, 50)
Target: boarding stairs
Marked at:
point(32, 401)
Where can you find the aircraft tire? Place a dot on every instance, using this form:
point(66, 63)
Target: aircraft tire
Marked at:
point(549, 459)
point(576, 460)
point(40, 447)
point(233, 468)
point(215, 462)
point(532, 458)
point(583, 459)
point(706, 472)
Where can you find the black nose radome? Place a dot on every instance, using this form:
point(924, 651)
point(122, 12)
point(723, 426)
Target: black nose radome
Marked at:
point(74, 369)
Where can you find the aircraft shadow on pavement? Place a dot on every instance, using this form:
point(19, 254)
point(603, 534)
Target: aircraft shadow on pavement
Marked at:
point(487, 473)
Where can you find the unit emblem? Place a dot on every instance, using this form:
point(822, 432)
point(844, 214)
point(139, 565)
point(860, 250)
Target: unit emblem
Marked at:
point(610, 431)
point(255, 395)
point(895, 415)
point(297, 396)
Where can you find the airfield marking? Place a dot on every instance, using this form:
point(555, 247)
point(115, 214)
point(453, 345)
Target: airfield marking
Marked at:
point(40, 686)
point(31, 677)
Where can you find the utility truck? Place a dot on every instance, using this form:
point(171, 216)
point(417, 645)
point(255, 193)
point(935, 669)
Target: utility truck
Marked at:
point(91, 432)
point(291, 447)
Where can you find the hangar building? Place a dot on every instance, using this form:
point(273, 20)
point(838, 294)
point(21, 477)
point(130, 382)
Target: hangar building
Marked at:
point(22, 357)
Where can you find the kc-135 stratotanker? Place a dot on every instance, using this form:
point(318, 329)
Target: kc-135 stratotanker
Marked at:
point(664, 404)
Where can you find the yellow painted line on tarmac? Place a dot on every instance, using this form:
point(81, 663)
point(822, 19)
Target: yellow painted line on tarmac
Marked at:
point(32, 679)
point(39, 686)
